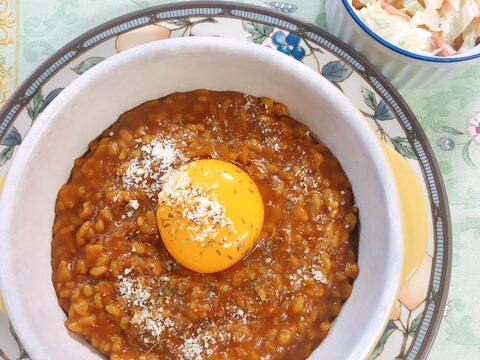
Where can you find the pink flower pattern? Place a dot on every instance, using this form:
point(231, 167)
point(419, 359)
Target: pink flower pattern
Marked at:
point(473, 127)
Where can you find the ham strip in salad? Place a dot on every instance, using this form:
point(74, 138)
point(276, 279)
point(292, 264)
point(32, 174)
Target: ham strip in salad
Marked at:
point(430, 27)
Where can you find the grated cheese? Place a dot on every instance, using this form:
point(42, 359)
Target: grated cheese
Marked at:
point(204, 212)
point(318, 276)
point(147, 171)
point(147, 313)
point(133, 204)
point(307, 273)
point(272, 143)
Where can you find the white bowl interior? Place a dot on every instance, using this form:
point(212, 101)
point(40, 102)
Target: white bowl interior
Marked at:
point(94, 101)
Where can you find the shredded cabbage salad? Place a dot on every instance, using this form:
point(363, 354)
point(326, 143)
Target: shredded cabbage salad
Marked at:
point(431, 27)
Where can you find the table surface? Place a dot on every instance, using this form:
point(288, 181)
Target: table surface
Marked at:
point(32, 30)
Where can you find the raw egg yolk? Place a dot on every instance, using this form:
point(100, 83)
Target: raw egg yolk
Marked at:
point(210, 214)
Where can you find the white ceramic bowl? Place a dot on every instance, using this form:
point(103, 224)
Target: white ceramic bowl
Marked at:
point(94, 101)
point(403, 68)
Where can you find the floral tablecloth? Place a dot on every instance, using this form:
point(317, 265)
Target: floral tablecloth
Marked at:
point(31, 30)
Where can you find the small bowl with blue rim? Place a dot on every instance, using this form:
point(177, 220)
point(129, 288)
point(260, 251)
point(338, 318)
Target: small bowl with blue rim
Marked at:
point(404, 68)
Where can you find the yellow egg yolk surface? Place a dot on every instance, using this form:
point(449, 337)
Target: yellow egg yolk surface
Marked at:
point(210, 214)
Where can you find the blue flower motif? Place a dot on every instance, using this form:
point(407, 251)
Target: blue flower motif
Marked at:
point(289, 45)
point(446, 144)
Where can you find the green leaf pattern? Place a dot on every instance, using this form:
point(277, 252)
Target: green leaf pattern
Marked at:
point(286, 8)
point(466, 154)
point(369, 98)
point(258, 32)
point(87, 64)
point(450, 130)
point(6, 154)
point(381, 111)
point(459, 331)
point(391, 327)
point(414, 325)
point(179, 22)
point(34, 107)
point(39, 102)
point(402, 145)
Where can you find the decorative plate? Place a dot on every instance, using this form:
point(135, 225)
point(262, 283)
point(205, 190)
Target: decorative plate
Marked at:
point(421, 302)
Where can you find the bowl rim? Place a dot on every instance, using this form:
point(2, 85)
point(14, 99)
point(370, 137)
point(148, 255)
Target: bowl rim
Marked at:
point(18, 167)
point(401, 51)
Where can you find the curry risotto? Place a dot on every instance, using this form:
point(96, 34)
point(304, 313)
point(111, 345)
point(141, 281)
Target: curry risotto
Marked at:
point(125, 294)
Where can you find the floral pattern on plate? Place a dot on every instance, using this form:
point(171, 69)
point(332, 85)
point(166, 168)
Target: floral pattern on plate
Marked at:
point(420, 304)
point(456, 139)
